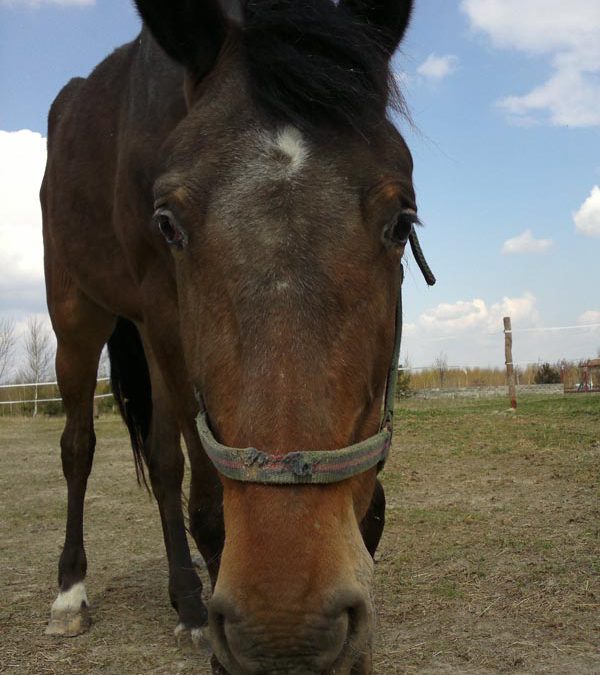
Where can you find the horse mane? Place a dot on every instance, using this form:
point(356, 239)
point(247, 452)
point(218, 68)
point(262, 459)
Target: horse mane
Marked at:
point(313, 62)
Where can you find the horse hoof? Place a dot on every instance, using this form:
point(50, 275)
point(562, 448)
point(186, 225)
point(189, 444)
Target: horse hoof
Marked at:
point(69, 623)
point(70, 614)
point(197, 635)
point(217, 668)
point(198, 563)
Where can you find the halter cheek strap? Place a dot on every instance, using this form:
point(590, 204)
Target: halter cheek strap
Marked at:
point(315, 467)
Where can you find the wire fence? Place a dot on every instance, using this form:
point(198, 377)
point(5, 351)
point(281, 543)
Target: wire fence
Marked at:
point(574, 374)
point(544, 345)
point(438, 374)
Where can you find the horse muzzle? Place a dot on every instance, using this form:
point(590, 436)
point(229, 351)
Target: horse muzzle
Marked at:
point(276, 640)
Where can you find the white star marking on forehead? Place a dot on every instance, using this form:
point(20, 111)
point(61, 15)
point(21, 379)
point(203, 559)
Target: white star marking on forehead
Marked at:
point(290, 141)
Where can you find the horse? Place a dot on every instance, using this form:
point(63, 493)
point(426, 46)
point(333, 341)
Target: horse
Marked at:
point(226, 205)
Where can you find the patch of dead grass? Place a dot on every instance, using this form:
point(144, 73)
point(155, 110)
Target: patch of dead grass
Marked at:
point(489, 562)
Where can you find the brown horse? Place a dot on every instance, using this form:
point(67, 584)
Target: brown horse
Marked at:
point(265, 282)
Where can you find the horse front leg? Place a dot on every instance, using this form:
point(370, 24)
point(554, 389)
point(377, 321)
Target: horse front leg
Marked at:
point(81, 330)
point(373, 523)
point(165, 461)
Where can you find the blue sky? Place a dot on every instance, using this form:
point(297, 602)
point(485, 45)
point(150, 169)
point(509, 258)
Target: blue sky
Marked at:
point(505, 98)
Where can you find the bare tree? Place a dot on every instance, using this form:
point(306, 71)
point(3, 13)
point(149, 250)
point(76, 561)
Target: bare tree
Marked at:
point(7, 345)
point(39, 354)
point(441, 367)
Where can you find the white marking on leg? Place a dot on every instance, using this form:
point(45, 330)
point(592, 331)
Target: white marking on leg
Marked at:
point(70, 614)
point(199, 637)
point(71, 600)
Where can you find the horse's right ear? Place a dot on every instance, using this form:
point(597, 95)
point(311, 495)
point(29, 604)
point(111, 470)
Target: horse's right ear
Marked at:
point(190, 31)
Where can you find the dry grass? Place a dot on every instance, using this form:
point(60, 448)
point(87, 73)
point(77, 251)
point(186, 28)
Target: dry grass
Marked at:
point(490, 562)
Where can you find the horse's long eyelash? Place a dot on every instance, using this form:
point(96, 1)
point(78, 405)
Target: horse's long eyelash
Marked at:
point(410, 216)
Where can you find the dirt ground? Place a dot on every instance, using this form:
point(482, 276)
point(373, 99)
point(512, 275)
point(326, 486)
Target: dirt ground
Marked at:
point(490, 562)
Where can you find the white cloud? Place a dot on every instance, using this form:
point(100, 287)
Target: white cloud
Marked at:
point(469, 332)
point(23, 156)
point(438, 67)
point(35, 4)
point(591, 316)
point(587, 218)
point(566, 33)
point(526, 243)
point(477, 316)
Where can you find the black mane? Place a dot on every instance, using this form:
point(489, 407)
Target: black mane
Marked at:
point(314, 62)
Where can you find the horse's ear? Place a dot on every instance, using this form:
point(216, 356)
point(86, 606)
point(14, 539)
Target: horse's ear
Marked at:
point(190, 31)
point(389, 18)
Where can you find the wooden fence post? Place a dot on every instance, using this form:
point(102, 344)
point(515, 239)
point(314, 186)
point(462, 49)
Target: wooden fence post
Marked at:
point(510, 371)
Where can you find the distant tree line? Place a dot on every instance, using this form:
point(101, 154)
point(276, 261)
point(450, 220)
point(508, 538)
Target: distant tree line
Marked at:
point(443, 376)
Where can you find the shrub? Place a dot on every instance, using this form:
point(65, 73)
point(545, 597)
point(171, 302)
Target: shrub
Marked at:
point(546, 374)
point(403, 389)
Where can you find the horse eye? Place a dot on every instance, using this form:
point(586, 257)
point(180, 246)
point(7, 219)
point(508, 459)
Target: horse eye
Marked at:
point(170, 229)
point(399, 229)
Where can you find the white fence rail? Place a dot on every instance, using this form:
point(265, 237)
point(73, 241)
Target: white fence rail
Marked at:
point(42, 384)
point(37, 385)
point(45, 400)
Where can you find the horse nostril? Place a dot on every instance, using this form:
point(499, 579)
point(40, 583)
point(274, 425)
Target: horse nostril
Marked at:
point(354, 607)
point(358, 627)
point(220, 612)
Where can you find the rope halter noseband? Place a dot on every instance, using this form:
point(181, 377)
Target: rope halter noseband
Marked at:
point(317, 467)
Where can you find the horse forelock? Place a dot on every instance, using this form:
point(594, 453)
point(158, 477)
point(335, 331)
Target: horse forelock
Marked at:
point(314, 62)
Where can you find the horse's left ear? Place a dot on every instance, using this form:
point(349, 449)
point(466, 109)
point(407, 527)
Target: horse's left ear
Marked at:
point(191, 31)
point(390, 18)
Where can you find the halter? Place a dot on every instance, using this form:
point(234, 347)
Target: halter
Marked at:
point(317, 467)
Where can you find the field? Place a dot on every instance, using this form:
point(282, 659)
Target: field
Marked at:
point(490, 562)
